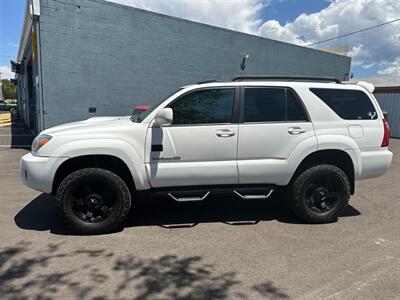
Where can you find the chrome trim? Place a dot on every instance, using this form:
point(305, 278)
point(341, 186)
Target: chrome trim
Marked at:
point(254, 197)
point(188, 199)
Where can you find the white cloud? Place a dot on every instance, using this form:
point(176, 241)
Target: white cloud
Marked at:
point(369, 48)
point(6, 72)
point(240, 15)
point(368, 66)
point(12, 44)
point(390, 68)
point(340, 17)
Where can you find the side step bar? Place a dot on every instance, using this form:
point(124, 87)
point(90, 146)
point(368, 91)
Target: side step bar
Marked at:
point(253, 197)
point(200, 195)
point(189, 199)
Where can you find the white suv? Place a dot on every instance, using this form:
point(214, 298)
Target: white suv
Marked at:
point(312, 137)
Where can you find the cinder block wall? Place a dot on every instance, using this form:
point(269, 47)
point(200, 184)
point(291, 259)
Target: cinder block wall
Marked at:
point(96, 53)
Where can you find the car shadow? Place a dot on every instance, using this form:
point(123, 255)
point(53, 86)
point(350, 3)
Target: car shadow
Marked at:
point(21, 136)
point(41, 213)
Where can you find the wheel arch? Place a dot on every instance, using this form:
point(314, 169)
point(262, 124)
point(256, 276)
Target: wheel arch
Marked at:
point(336, 157)
point(105, 161)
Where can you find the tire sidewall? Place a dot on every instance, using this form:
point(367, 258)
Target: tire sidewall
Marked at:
point(299, 190)
point(123, 202)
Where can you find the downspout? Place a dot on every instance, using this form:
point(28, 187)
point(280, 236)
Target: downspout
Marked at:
point(36, 25)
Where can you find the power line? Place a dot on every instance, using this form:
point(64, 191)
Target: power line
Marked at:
point(354, 32)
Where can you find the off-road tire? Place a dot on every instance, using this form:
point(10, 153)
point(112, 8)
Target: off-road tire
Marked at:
point(297, 199)
point(113, 222)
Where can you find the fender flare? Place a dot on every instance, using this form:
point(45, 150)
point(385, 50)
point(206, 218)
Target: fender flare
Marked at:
point(325, 142)
point(112, 147)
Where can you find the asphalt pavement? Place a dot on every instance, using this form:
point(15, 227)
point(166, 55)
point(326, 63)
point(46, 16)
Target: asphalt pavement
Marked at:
point(224, 248)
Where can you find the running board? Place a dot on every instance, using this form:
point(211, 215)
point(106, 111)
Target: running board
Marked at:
point(188, 199)
point(254, 197)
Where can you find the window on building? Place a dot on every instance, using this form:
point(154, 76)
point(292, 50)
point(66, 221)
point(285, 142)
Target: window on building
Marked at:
point(272, 105)
point(204, 107)
point(347, 104)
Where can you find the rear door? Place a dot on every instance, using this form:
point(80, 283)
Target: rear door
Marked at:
point(273, 122)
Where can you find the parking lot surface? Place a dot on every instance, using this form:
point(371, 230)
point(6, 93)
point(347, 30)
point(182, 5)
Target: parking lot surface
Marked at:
point(223, 248)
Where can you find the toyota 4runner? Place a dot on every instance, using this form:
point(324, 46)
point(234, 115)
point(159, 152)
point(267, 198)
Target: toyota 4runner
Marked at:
point(311, 137)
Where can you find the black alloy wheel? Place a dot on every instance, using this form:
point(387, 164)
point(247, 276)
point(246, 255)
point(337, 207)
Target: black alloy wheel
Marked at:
point(319, 193)
point(323, 193)
point(93, 201)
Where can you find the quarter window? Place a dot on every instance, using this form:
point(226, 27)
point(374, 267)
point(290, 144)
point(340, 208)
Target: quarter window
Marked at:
point(272, 105)
point(294, 109)
point(347, 104)
point(204, 107)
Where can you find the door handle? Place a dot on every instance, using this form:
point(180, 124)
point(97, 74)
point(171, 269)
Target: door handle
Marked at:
point(225, 133)
point(296, 130)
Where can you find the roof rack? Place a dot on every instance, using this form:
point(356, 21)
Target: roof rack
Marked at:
point(207, 81)
point(285, 77)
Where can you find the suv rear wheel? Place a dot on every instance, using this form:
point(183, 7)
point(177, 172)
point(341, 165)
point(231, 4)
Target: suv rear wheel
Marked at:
point(93, 201)
point(319, 194)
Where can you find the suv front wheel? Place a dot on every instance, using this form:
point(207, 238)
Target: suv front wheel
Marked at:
point(93, 201)
point(319, 194)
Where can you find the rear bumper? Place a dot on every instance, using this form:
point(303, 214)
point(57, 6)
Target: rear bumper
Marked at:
point(38, 172)
point(375, 163)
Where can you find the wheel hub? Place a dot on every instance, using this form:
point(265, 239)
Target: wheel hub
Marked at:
point(320, 194)
point(93, 201)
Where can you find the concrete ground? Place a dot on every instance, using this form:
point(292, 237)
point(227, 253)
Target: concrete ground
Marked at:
point(220, 249)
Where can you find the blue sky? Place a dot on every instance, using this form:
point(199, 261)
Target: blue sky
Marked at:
point(11, 17)
point(287, 11)
point(375, 52)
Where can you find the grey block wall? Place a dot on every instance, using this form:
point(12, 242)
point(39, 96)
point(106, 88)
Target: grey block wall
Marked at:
point(96, 53)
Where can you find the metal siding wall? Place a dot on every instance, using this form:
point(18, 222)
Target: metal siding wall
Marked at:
point(95, 53)
point(391, 104)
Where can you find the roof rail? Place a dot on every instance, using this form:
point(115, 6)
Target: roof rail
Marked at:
point(207, 81)
point(286, 77)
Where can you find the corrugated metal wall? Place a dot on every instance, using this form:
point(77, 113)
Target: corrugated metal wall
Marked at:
point(391, 104)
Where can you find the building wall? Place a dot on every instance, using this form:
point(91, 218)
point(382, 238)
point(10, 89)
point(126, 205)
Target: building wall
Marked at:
point(96, 53)
point(390, 102)
point(28, 102)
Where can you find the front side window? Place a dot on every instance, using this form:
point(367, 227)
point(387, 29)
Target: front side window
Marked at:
point(347, 104)
point(204, 107)
point(272, 105)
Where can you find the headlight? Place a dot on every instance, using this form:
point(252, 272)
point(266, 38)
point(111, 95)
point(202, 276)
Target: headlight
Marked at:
point(40, 141)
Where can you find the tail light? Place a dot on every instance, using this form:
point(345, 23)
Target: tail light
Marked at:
point(386, 134)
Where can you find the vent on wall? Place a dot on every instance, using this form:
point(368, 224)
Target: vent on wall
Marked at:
point(92, 109)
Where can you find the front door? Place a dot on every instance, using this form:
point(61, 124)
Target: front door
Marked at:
point(200, 146)
point(273, 124)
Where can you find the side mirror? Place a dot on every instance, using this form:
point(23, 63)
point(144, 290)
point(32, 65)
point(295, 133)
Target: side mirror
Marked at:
point(163, 117)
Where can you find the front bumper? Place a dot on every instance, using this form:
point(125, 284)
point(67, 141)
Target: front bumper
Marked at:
point(38, 172)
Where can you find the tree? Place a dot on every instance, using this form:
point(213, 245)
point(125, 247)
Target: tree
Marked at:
point(9, 90)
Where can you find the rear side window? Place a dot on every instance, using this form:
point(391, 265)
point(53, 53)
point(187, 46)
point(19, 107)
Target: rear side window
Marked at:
point(294, 109)
point(347, 104)
point(204, 107)
point(272, 105)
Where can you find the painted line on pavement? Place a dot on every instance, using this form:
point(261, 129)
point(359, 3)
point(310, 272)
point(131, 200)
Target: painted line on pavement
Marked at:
point(15, 134)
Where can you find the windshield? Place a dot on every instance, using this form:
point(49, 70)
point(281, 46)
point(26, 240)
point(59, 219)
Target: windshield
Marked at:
point(138, 115)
